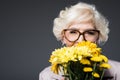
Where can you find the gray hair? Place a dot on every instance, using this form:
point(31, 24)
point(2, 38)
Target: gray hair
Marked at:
point(81, 12)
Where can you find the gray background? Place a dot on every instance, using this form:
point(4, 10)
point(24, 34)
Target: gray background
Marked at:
point(26, 38)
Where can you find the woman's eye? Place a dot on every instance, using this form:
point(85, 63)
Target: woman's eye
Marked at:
point(91, 32)
point(73, 32)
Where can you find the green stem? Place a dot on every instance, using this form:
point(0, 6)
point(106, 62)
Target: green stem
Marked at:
point(86, 77)
point(94, 67)
point(102, 75)
point(70, 73)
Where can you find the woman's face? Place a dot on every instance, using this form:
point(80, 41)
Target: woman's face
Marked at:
point(78, 32)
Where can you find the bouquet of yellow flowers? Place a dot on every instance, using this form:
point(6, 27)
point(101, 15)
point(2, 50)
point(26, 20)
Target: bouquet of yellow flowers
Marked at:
point(81, 62)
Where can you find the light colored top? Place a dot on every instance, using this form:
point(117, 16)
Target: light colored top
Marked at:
point(114, 72)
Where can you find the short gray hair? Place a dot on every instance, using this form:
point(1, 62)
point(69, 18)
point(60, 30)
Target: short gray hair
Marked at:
point(81, 12)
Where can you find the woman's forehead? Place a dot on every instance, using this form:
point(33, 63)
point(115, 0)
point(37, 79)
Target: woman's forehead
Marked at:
point(81, 26)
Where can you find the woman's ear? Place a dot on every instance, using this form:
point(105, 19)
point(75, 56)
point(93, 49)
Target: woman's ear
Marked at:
point(63, 41)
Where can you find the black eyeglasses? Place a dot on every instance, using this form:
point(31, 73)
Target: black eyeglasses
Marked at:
point(73, 35)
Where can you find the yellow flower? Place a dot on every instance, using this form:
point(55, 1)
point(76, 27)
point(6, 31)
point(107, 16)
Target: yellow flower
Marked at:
point(88, 49)
point(68, 60)
point(105, 65)
point(54, 68)
point(87, 69)
point(96, 59)
point(84, 51)
point(85, 61)
point(87, 43)
point(104, 58)
point(95, 74)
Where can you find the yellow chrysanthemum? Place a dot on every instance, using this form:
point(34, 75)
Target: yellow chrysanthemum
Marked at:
point(63, 55)
point(54, 68)
point(85, 61)
point(105, 59)
point(84, 51)
point(96, 59)
point(87, 69)
point(89, 48)
point(95, 74)
point(105, 65)
point(74, 53)
point(65, 59)
point(84, 43)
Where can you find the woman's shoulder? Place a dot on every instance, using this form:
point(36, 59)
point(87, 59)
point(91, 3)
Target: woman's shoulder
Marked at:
point(115, 66)
point(47, 74)
point(46, 69)
point(44, 73)
point(114, 63)
point(114, 70)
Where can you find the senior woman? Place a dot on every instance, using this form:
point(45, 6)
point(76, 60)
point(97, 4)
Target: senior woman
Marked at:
point(81, 22)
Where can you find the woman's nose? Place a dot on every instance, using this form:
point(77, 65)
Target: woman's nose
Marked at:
point(81, 38)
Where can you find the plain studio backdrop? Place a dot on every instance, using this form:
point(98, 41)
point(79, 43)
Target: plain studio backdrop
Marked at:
point(26, 38)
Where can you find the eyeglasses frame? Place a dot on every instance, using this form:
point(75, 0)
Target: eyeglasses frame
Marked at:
point(80, 34)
